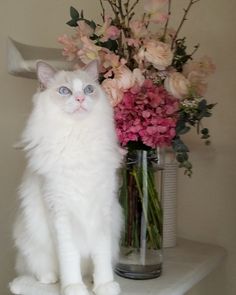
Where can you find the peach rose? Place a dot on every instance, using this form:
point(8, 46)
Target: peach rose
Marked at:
point(198, 82)
point(159, 54)
point(138, 77)
point(177, 85)
point(126, 79)
point(197, 73)
point(113, 91)
point(204, 66)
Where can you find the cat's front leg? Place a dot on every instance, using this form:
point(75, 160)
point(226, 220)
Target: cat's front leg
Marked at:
point(69, 259)
point(104, 283)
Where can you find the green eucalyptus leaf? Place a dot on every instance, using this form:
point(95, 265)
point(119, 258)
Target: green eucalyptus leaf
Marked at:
point(182, 157)
point(211, 106)
point(184, 130)
point(179, 146)
point(202, 105)
point(205, 131)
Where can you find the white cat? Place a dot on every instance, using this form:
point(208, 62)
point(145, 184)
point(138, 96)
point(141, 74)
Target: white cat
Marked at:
point(69, 216)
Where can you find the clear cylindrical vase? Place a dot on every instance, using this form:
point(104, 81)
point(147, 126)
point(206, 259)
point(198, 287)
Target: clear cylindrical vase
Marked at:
point(141, 198)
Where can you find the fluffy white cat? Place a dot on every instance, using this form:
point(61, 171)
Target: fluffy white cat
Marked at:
point(69, 220)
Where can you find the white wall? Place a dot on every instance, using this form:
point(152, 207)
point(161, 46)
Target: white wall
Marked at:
point(206, 203)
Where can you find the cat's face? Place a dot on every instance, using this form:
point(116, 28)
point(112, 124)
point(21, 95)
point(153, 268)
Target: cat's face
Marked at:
point(75, 93)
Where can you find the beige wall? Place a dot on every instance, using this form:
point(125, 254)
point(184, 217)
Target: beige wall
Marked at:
point(207, 202)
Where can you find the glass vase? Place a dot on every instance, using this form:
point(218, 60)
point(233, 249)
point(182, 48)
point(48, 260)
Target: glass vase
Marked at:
point(141, 198)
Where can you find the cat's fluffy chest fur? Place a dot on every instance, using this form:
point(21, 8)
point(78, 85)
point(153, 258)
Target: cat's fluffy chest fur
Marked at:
point(69, 208)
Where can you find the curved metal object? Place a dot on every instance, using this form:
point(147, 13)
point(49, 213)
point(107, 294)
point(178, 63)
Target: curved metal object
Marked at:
point(22, 58)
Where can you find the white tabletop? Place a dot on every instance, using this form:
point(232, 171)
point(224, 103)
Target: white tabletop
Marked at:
point(183, 267)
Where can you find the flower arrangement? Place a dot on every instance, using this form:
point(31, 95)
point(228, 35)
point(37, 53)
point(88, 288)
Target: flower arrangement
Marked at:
point(155, 86)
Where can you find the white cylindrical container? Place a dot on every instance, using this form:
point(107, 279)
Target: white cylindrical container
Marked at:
point(169, 201)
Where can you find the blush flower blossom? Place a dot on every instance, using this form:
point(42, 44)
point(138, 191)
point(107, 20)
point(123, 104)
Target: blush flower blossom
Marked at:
point(148, 114)
point(152, 80)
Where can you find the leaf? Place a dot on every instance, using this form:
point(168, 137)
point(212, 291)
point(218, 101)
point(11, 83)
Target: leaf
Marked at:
point(179, 146)
point(72, 23)
point(110, 44)
point(74, 13)
point(92, 24)
point(182, 157)
point(202, 105)
point(211, 106)
point(184, 130)
point(205, 131)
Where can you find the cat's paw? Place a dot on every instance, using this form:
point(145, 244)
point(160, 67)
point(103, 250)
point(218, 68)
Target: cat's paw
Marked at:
point(75, 289)
point(48, 278)
point(16, 286)
point(111, 288)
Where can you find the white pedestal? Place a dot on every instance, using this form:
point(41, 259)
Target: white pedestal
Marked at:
point(184, 266)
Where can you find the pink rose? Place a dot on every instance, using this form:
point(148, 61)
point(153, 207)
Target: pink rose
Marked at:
point(113, 91)
point(177, 85)
point(107, 31)
point(159, 54)
point(112, 33)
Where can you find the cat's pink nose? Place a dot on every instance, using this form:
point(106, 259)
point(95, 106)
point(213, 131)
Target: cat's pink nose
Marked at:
point(79, 97)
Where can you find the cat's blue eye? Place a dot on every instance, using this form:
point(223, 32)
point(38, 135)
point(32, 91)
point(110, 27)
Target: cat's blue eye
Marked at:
point(63, 90)
point(89, 89)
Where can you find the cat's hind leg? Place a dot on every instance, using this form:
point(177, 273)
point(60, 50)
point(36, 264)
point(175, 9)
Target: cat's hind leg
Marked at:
point(33, 234)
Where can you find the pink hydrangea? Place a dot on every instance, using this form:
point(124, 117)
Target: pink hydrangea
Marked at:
point(147, 114)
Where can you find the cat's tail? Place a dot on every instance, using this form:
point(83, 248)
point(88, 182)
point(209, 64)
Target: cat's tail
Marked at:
point(26, 285)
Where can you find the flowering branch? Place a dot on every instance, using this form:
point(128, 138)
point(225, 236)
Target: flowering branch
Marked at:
point(114, 8)
point(186, 11)
point(103, 10)
point(167, 21)
point(120, 8)
point(195, 49)
point(133, 6)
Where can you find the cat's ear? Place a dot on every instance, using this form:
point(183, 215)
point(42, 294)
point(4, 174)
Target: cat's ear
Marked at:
point(92, 69)
point(45, 72)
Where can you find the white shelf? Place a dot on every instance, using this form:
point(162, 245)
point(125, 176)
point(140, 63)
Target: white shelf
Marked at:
point(184, 266)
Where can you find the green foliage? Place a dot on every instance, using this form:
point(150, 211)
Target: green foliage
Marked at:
point(76, 16)
point(190, 116)
point(137, 145)
point(110, 44)
point(180, 54)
